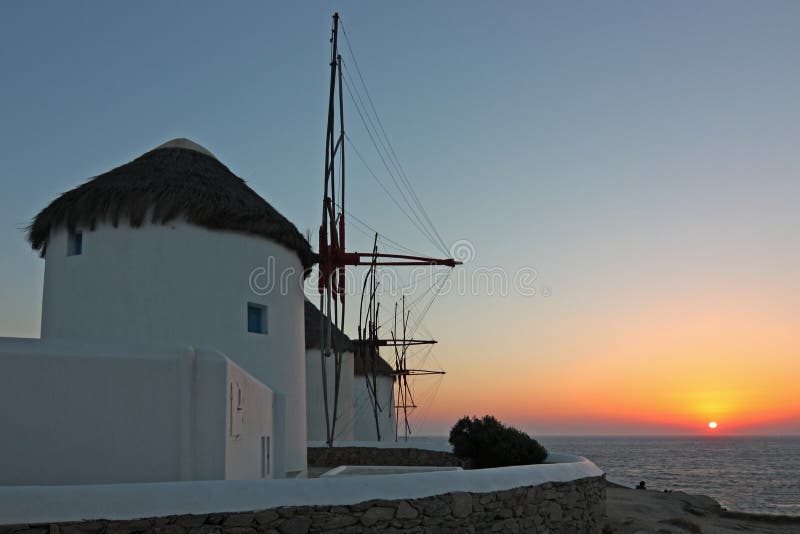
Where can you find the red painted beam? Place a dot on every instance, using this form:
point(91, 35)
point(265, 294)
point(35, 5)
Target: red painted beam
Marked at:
point(357, 258)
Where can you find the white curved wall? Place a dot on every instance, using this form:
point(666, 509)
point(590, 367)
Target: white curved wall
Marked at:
point(364, 416)
point(133, 501)
point(179, 284)
point(315, 406)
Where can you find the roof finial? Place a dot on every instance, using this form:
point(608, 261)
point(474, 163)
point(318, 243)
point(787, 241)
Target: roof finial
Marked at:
point(188, 144)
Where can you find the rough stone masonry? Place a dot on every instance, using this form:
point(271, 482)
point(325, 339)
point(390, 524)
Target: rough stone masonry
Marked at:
point(553, 507)
point(336, 456)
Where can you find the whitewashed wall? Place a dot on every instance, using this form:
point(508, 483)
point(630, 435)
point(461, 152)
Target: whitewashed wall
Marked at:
point(132, 501)
point(249, 436)
point(86, 413)
point(180, 284)
point(315, 408)
point(364, 417)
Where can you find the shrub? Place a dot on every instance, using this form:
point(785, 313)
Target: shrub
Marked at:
point(486, 442)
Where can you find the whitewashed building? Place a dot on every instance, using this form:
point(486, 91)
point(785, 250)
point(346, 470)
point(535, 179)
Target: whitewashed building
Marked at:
point(172, 341)
point(373, 424)
point(315, 404)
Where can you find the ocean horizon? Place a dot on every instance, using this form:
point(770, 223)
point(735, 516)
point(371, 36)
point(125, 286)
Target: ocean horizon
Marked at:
point(753, 474)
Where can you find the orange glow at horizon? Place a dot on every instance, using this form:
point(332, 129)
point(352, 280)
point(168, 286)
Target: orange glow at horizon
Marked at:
point(668, 372)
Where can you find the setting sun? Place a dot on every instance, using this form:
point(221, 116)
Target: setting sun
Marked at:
point(712, 425)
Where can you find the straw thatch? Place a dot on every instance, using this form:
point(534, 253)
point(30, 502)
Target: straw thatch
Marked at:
point(162, 185)
point(314, 341)
point(382, 367)
point(313, 334)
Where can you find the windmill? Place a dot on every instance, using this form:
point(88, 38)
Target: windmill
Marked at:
point(368, 346)
point(404, 397)
point(333, 256)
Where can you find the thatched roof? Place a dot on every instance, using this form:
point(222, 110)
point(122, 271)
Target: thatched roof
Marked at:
point(314, 341)
point(382, 367)
point(314, 334)
point(176, 179)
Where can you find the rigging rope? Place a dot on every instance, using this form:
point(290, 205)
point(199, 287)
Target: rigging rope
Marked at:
point(414, 303)
point(425, 404)
point(393, 154)
point(422, 315)
point(388, 193)
point(419, 223)
point(383, 237)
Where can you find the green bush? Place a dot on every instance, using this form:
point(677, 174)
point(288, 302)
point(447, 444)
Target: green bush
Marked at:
point(486, 442)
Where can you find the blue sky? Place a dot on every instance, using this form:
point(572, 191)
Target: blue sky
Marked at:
point(636, 154)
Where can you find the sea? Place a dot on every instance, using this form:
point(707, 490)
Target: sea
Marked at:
point(745, 474)
point(759, 475)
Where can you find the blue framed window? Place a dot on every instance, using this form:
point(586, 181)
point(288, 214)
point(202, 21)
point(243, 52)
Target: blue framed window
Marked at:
point(256, 318)
point(75, 244)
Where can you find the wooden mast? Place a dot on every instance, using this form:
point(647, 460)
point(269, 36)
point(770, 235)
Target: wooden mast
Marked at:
point(333, 256)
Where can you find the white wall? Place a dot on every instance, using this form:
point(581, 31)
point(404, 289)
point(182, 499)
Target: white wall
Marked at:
point(83, 413)
point(180, 284)
point(315, 407)
point(134, 501)
point(364, 417)
point(248, 421)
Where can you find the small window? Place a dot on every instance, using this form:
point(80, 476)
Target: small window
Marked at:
point(256, 318)
point(75, 245)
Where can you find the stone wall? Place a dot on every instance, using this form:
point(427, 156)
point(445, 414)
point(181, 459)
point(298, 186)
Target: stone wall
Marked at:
point(553, 507)
point(336, 456)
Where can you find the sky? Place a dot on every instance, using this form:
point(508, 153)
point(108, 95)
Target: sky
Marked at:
point(632, 166)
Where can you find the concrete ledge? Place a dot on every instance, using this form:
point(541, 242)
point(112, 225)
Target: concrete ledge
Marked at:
point(50, 504)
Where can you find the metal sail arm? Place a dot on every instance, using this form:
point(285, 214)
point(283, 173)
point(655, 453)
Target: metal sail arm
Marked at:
point(416, 372)
point(368, 258)
point(333, 258)
point(401, 342)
